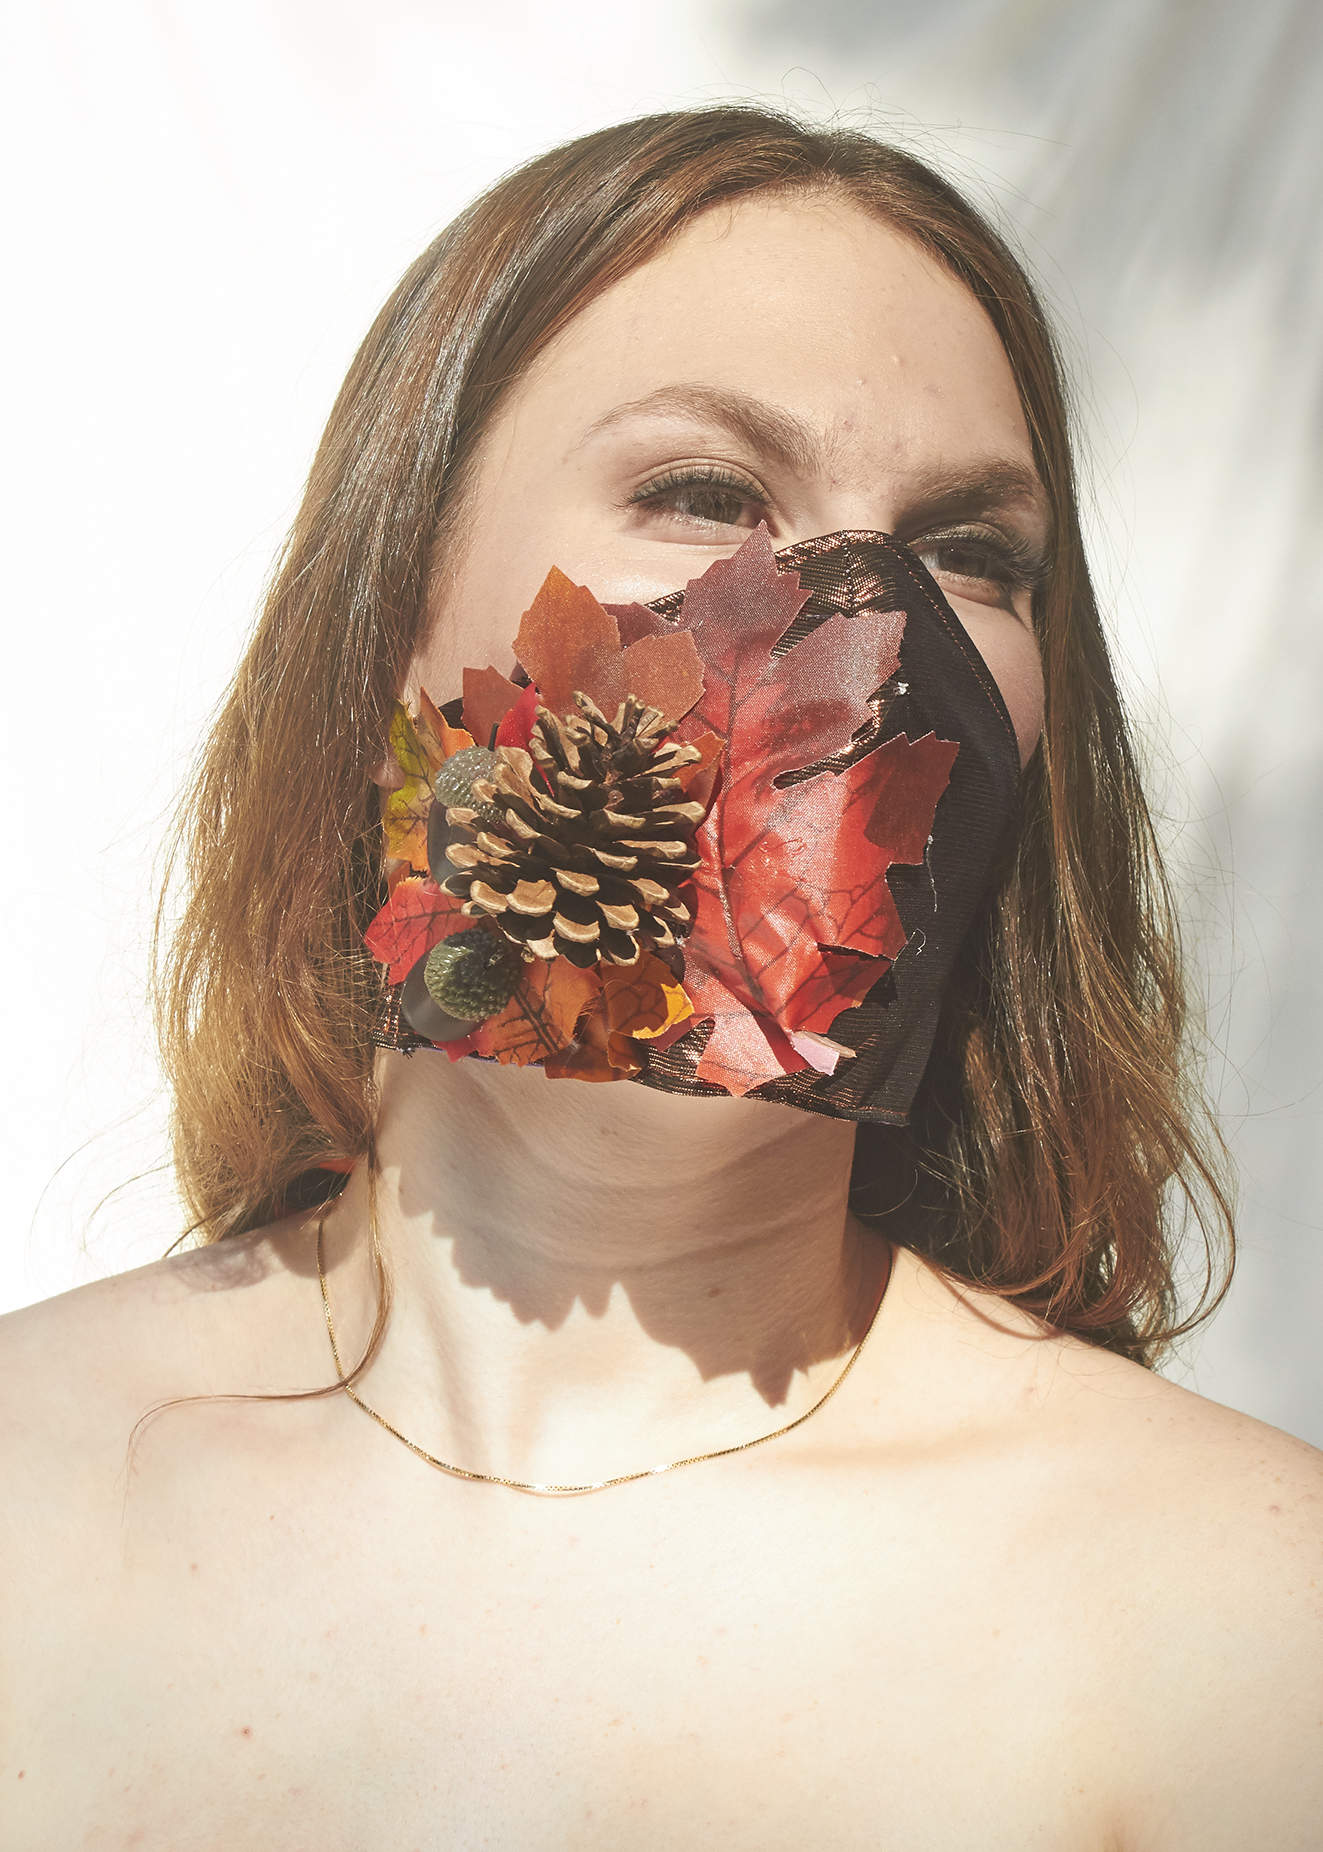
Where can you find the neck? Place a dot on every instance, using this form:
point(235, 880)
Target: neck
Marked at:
point(588, 1279)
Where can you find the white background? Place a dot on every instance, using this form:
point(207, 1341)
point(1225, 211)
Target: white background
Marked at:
point(206, 206)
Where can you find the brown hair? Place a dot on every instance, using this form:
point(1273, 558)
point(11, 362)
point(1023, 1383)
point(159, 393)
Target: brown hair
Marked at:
point(1055, 1124)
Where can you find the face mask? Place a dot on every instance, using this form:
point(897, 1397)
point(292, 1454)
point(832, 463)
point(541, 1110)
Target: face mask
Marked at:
point(745, 864)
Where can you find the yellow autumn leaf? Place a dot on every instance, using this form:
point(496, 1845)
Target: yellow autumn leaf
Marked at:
point(410, 754)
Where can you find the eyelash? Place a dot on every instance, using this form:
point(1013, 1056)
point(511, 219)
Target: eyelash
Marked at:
point(1020, 565)
point(715, 478)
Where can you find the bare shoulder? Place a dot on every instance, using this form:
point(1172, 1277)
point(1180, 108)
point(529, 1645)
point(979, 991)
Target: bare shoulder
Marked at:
point(1173, 1545)
point(77, 1371)
point(1113, 1416)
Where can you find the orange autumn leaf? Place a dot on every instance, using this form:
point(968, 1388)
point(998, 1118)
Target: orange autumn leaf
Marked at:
point(488, 698)
point(439, 740)
point(567, 643)
point(697, 781)
point(592, 1055)
point(709, 745)
point(540, 1018)
point(643, 999)
point(638, 1002)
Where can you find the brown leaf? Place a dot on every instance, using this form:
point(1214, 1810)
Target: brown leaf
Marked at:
point(488, 698)
point(638, 1002)
point(663, 671)
point(568, 643)
point(623, 1054)
point(563, 637)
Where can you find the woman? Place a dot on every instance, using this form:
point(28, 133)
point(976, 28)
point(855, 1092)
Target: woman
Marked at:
point(989, 1582)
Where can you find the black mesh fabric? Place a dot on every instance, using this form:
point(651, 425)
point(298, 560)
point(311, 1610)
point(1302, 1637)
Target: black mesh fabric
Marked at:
point(942, 686)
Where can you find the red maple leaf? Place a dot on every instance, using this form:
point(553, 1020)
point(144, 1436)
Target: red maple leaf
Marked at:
point(415, 918)
point(795, 921)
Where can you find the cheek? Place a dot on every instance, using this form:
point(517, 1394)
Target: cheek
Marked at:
point(479, 590)
point(522, 518)
point(1009, 649)
point(1021, 682)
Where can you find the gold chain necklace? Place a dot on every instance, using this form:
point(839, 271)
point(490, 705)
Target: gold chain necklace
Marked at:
point(598, 1485)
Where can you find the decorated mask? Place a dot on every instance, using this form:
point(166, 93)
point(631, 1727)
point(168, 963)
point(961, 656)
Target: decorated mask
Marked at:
point(727, 843)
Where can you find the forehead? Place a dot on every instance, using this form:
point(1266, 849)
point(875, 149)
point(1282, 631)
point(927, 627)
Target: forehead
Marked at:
point(808, 302)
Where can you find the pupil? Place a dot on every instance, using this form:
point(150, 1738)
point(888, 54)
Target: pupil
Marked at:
point(968, 562)
point(711, 505)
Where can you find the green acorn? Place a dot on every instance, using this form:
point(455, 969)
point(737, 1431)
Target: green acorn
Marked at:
point(472, 974)
point(453, 784)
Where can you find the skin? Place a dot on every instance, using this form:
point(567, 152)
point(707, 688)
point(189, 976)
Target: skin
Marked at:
point(1003, 1590)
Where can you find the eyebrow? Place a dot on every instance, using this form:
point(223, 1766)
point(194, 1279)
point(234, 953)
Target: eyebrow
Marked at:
point(768, 429)
point(780, 436)
point(991, 483)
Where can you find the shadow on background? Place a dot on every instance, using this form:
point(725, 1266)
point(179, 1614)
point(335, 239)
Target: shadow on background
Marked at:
point(1158, 164)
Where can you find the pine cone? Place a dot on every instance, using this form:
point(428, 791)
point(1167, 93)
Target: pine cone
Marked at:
point(587, 860)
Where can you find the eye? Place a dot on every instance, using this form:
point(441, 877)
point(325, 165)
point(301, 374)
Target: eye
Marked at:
point(700, 497)
point(982, 567)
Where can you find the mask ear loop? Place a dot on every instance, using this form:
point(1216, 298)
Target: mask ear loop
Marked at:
point(391, 1031)
point(380, 1271)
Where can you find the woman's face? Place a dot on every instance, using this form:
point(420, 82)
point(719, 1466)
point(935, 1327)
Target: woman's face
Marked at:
point(788, 361)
